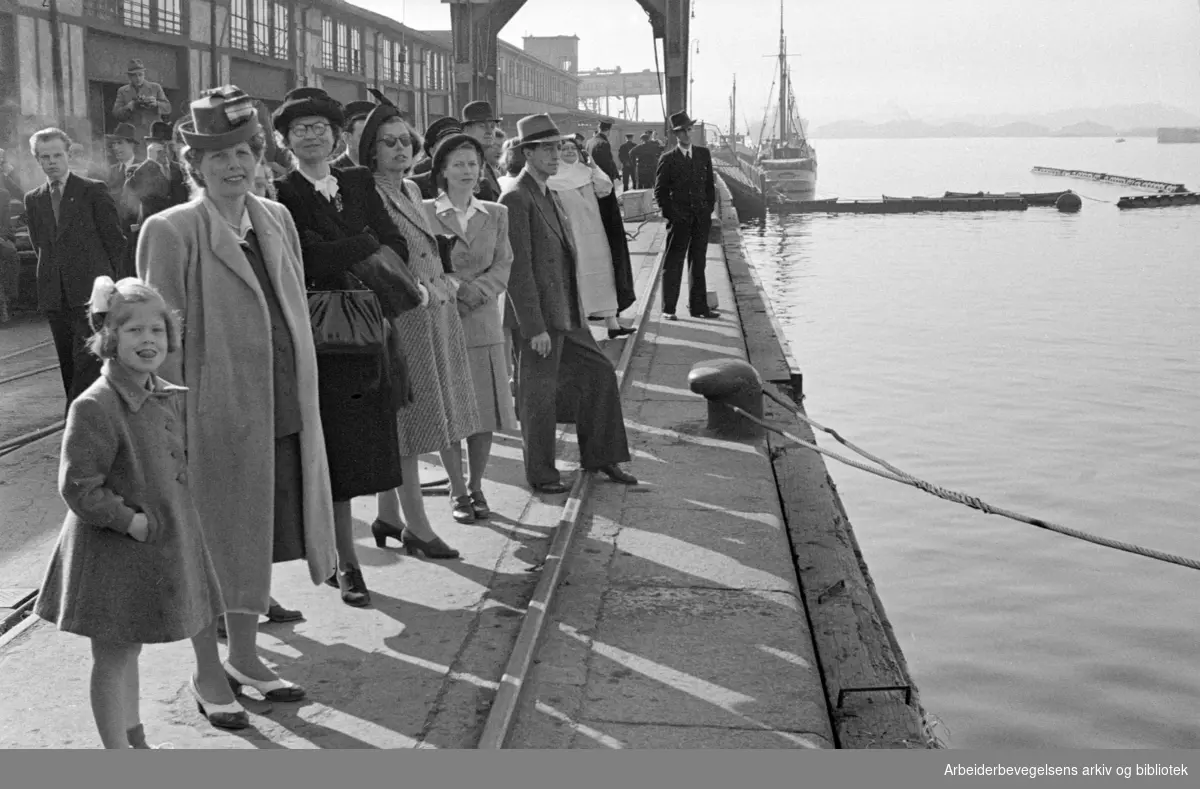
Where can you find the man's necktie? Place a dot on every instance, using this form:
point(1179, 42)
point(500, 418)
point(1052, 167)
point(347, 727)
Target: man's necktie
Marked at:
point(55, 198)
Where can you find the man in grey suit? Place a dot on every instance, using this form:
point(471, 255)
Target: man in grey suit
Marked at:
point(74, 227)
point(562, 375)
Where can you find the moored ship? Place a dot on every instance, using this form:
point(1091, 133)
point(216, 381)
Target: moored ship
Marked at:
point(789, 160)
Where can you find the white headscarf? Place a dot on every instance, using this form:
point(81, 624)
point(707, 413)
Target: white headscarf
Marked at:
point(570, 177)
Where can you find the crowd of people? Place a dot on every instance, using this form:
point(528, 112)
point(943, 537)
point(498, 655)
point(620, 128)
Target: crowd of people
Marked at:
point(274, 313)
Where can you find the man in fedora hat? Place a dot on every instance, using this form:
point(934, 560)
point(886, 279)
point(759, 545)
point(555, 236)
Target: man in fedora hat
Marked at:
point(479, 122)
point(600, 151)
point(74, 227)
point(561, 374)
point(158, 183)
point(122, 147)
point(141, 102)
point(356, 113)
point(686, 194)
point(626, 161)
point(437, 131)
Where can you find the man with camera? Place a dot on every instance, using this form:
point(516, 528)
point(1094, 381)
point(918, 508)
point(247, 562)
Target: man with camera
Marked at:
point(141, 102)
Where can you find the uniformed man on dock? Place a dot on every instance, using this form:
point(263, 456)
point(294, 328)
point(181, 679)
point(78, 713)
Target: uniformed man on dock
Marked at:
point(626, 161)
point(599, 151)
point(645, 161)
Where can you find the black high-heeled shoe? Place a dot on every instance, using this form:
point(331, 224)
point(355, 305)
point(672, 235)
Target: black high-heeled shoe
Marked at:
point(353, 587)
point(381, 530)
point(432, 549)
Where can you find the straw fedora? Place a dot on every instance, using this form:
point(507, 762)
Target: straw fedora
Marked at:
point(223, 118)
point(537, 128)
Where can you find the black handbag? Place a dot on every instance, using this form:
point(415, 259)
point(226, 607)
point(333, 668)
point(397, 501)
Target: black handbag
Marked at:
point(392, 281)
point(348, 321)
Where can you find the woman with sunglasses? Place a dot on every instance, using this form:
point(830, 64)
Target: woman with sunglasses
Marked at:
point(342, 221)
point(444, 410)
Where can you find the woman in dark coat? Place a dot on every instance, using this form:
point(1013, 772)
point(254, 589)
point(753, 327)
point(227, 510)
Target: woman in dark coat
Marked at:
point(342, 221)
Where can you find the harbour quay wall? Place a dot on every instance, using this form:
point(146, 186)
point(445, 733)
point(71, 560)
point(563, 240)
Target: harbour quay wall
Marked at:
point(872, 699)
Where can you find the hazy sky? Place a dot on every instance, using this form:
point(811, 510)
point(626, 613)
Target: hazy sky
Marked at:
point(872, 58)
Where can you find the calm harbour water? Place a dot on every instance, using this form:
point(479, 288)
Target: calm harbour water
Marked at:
point(1047, 363)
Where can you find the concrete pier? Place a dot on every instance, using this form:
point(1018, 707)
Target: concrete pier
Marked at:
point(681, 620)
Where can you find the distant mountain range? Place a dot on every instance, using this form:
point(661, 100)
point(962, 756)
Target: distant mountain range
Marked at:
point(1140, 120)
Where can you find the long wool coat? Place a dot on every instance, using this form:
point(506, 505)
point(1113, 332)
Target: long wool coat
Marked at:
point(122, 454)
point(225, 362)
point(444, 410)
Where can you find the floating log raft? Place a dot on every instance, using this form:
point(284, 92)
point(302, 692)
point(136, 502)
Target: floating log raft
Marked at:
point(1159, 201)
point(903, 205)
point(1136, 183)
point(1033, 198)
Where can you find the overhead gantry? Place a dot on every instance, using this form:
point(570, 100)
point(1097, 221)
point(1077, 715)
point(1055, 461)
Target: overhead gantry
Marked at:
point(476, 24)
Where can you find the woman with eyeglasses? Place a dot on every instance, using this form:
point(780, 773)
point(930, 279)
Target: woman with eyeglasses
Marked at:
point(342, 221)
point(444, 410)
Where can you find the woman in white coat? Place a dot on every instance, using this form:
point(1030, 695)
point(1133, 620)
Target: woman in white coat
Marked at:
point(578, 186)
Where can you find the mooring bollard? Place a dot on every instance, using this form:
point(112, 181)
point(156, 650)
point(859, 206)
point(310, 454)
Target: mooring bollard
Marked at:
point(729, 382)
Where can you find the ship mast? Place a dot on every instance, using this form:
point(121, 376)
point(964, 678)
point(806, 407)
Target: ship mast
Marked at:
point(733, 116)
point(783, 80)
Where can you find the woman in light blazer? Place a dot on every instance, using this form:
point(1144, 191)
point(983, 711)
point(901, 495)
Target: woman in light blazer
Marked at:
point(230, 263)
point(482, 258)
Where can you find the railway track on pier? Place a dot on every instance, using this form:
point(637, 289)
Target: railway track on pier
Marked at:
point(30, 396)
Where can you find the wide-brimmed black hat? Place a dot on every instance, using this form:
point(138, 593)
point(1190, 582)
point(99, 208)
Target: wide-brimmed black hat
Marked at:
point(439, 129)
point(303, 102)
point(381, 114)
point(222, 118)
point(160, 131)
point(681, 121)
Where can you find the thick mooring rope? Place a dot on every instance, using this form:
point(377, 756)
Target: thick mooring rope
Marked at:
point(904, 478)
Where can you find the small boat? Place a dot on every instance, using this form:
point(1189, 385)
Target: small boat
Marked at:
point(1033, 198)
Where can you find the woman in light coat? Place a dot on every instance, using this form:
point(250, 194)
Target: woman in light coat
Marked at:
point(229, 262)
point(482, 259)
point(578, 185)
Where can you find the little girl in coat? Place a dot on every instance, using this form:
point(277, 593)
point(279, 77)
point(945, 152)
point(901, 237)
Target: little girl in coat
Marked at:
point(130, 566)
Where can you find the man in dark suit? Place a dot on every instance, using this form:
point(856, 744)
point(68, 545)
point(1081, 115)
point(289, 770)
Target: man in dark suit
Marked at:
point(356, 116)
point(686, 194)
point(645, 162)
point(562, 375)
point(600, 152)
point(74, 227)
point(123, 148)
point(626, 161)
point(154, 185)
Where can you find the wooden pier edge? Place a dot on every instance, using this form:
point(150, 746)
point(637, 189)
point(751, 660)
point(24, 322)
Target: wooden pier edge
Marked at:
point(854, 642)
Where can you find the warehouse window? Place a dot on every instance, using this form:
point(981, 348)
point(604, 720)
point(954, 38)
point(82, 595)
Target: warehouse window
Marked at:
point(260, 26)
point(328, 52)
point(356, 53)
point(162, 16)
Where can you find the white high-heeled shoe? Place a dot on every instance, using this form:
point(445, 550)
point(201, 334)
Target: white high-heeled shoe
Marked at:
point(223, 716)
point(272, 690)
